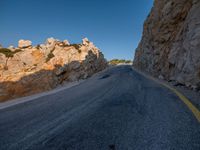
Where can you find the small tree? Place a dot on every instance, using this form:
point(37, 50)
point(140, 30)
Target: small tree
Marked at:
point(50, 55)
point(8, 54)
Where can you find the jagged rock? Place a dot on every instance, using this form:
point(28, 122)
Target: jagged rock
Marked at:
point(74, 65)
point(24, 43)
point(51, 41)
point(50, 44)
point(41, 68)
point(66, 42)
point(85, 41)
point(171, 41)
point(61, 70)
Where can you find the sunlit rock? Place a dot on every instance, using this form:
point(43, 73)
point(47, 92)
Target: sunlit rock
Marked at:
point(45, 66)
point(24, 43)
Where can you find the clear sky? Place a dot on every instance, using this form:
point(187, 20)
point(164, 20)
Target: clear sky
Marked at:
point(115, 26)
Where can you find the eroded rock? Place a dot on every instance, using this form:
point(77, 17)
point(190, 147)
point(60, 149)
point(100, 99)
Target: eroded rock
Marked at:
point(66, 42)
point(24, 43)
point(45, 66)
point(171, 41)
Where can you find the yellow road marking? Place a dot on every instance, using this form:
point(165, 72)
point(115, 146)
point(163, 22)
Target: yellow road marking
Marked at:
point(186, 101)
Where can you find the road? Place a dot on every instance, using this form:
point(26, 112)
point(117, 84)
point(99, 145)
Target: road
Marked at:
point(117, 109)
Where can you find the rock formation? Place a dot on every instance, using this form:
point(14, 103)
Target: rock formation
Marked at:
point(24, 43)
point(170, 45)
point(28, 69)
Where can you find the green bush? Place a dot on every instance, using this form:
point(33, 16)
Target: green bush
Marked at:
point(128, 61)
point(8, 53)
point(17, 50)
point(119, 61)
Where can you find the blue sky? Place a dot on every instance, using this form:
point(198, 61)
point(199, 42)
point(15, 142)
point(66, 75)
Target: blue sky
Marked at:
point(115, 26)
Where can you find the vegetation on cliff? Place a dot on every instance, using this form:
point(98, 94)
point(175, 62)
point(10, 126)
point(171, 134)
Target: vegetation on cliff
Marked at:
point(119, 61)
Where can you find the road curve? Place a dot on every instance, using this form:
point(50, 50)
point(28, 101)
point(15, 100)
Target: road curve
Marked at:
point(117, 109)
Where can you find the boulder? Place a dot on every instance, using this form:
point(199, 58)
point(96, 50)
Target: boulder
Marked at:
point(85, 41)
point(24, 43)
point(66, 42)
point(51, 41)
point(50, 44)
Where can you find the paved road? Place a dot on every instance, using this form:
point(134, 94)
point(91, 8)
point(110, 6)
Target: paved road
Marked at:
point(117, 109)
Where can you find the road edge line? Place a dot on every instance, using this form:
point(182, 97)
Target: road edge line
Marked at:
point(181, 96)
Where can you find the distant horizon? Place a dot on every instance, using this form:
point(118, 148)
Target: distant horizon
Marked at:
point(114, 27)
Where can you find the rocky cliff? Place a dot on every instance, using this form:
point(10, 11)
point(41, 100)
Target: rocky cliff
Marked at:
point(170, 45)
point(28, 69)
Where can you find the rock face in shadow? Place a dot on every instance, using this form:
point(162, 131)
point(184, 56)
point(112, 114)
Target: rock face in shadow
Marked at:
point(170, 45)
point(27, 70)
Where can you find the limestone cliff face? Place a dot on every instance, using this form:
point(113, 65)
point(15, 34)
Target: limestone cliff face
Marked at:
point(28, 69)
point(170, 45)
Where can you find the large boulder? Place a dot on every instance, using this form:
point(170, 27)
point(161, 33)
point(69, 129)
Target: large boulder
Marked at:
point(24, 43)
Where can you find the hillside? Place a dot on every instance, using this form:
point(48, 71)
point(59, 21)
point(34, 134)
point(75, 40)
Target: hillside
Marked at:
point(28, 69)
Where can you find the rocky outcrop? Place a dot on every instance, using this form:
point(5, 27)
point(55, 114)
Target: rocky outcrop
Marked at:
point(170, 45)
point(24, 43)
point(28, 69)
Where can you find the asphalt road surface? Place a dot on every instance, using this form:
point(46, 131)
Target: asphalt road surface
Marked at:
point(117, 109)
